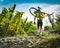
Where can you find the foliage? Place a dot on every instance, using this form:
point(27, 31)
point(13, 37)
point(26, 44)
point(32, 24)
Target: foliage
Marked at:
point(47, 28)
point(57, 26)
point(12, 25)
point(57, 22)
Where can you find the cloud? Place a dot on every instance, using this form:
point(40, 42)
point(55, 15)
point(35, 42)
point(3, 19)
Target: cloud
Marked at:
point(30, 17)
point(52, 8)
point(0, 9)
point(48, 8)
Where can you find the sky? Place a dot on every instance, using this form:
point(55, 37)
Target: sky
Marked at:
point(47, 6)
point(29, 1)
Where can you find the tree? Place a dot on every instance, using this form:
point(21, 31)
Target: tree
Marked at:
point(11, 25)
point(57, 22)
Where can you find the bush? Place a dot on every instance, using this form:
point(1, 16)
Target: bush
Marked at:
point(47, 28)
point(12, 25)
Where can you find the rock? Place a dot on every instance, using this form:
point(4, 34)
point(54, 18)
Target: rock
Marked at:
point(13, 42)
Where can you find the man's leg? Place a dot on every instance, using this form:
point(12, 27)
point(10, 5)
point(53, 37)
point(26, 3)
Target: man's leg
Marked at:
point(40, 27)
point(40, 30)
